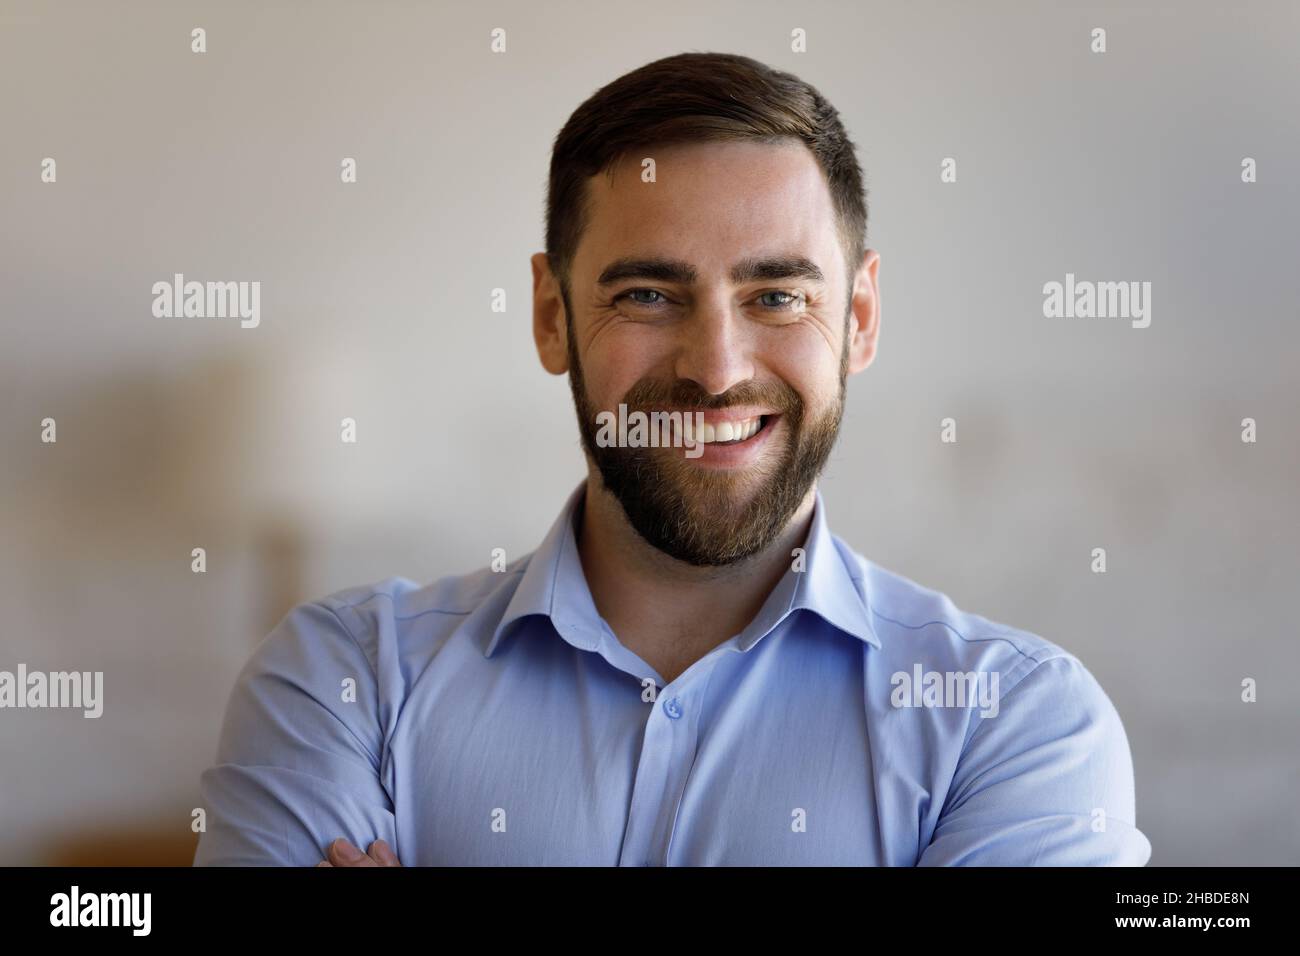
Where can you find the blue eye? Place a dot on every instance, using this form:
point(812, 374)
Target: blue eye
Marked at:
point(634, 292)
point(790, 301)
point(791, 298)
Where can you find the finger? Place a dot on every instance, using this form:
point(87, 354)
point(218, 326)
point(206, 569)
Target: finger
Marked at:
point(343, 853)
point(324, 863)
point(382, 852)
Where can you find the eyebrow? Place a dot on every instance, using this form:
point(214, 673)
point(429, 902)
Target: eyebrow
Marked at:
point(683, 273)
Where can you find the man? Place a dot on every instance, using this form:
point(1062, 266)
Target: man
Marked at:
point(691, 668)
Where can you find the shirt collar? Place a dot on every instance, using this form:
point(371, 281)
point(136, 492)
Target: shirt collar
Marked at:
point(554, 585)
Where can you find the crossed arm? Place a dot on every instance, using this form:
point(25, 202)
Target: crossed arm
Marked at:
point(1048, 783)
point(300, 762)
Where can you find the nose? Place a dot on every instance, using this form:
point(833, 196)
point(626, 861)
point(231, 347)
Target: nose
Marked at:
point(714, 349)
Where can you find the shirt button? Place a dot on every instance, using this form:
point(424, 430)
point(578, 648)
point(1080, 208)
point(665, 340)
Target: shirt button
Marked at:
point(673, 707)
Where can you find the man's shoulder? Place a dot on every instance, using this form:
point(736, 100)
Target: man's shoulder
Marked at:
point(918, 623)
point(390, 607)
point(1039, 686)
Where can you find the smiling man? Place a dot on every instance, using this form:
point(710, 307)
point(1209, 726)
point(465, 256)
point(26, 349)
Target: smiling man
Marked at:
point(691, 668)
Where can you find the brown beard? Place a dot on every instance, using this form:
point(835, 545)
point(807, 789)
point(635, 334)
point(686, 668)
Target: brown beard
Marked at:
point(701, 515)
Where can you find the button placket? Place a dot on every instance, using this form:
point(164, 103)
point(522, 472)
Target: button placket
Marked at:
point(667, 757)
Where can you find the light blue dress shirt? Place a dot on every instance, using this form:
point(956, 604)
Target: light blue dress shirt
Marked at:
point(494, 718)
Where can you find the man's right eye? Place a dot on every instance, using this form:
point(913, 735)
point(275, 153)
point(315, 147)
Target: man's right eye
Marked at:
point(631, 293)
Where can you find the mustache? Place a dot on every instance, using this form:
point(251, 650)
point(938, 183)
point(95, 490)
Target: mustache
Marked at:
point(689, 396)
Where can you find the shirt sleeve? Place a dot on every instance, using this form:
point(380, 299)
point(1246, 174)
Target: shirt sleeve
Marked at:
point(299, 758)
point(1047, 781)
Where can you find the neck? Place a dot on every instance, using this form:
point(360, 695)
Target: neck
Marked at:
point(667, 611)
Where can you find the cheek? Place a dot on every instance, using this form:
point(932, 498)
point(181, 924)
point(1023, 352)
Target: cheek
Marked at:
point(806, 365)
point(616, 362)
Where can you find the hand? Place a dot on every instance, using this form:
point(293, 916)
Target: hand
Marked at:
point(343, 853)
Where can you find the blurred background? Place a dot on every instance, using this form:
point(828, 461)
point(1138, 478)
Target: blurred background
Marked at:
point(1072, 433)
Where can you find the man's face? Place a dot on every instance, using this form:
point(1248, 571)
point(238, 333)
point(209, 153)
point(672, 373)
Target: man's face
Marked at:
point(719, 288)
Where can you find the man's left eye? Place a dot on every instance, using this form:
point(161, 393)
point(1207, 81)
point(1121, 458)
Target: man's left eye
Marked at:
point(792, 300)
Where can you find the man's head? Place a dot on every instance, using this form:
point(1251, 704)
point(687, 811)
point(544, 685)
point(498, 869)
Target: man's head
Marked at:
point(706, 251)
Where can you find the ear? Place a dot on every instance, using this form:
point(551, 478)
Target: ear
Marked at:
point(864, 324)
point(550, 330)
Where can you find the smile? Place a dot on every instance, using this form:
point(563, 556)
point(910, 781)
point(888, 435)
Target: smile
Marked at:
point(729, 433)
point(726, 442)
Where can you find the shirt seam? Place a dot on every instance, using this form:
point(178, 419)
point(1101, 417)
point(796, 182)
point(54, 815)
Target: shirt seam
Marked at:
point(968, 640)
point(374, 673)
point(393, 598)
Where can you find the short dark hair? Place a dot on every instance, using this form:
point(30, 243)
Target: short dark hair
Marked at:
point(697, 97)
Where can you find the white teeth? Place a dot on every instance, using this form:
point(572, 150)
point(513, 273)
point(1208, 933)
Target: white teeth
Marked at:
point(721, 432)
point(729, 431)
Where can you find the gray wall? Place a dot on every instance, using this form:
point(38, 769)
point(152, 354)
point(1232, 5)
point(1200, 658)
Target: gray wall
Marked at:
point(1072, 433)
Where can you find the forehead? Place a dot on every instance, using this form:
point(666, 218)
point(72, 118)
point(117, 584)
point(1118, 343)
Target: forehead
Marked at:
point(711, 204)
